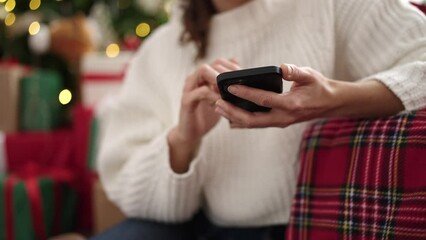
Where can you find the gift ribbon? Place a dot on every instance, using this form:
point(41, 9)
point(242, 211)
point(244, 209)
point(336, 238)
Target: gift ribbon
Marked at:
point(10, 182)
point(12, 62)
point(96, 77)
point(29, 175)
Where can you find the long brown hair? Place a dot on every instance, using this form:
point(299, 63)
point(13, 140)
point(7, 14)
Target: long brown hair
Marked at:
point(196, 20)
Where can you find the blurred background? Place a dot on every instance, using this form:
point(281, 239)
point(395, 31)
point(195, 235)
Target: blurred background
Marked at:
point(61, 63)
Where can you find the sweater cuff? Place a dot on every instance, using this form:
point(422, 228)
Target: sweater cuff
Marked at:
point(407, 82)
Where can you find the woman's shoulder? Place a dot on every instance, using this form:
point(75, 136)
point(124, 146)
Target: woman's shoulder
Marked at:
point(162, 45)
point(168, 33)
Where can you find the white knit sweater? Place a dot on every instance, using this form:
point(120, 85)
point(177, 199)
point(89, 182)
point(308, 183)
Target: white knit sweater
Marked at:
point(248, 177)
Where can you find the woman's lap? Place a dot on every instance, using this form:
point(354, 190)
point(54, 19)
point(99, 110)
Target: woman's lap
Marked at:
point(197, 229)
point(133, 229)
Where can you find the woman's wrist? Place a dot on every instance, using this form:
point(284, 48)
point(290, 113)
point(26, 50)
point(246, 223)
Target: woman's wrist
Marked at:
point(364, 99)
point(182, 151)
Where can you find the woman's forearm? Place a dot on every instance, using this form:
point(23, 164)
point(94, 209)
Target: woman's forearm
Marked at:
point(365, 99)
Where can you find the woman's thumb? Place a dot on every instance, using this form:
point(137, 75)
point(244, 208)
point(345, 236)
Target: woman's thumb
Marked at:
point(293, 73)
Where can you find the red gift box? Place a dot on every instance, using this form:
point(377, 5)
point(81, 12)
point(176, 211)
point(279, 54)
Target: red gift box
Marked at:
point(41, 148)
point(62, 150)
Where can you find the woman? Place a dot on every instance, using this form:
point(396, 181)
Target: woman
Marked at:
point(166, 154)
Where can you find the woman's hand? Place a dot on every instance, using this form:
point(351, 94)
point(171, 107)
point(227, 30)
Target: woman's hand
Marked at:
point(197, 115)
point(311, 96)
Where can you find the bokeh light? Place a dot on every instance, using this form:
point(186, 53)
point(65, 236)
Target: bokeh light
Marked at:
point(65, 97)
point(34, 28)
point(10, 19)
point(10, 5)
point(112, 50)
point(168, 7)
point(143, 29)
point(35, 4)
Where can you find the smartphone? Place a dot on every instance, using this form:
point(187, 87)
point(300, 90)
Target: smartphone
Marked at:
point(266, 78)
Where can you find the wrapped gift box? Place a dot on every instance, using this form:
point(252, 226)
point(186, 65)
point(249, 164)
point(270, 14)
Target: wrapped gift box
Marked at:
point(11, 74)
point(102, 76)
point(61, 150)
point(34, 206)
point(40, 108)
point(41, 148)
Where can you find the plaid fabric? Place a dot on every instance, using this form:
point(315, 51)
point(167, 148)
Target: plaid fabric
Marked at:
point(362, 179)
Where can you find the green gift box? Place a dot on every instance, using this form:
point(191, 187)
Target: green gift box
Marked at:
point(34, 207)
point(40, 108)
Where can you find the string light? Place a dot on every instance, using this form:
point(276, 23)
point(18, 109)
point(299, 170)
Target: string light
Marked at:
point(34, 28)
point(10, 5)
point(35, 4)
point(2, 1)
point(168, 8)
point(10, 19)
point(65, 97)
point(112, 50)
point(143, 29)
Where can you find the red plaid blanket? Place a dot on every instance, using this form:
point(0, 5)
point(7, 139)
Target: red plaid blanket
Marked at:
point(362, 179)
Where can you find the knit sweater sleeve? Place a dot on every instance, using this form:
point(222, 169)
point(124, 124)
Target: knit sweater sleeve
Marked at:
point(383, 40)
point(134, 154)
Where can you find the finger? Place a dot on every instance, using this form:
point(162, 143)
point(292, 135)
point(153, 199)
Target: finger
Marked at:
point(233, 113)
point(243, 119)
point(235, 125)
point(207, 75)
point(193, 98)
point(221, 112)
point(204, 74)
point(234, 60)
point(189, 82)
point(227, 63)
point(294, 73)
point(258, 96)
point(220, 68)
point(225, 109)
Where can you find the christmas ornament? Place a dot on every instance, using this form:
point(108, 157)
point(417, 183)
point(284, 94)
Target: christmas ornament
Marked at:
point(70, 38)
point(40, 42)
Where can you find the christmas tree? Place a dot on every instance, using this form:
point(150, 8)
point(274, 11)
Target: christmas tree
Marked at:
point(54, 34)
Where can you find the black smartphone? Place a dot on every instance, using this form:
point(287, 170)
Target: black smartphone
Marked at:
point(266, 78)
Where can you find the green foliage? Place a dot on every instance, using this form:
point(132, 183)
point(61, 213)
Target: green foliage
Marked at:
point(125, 16)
